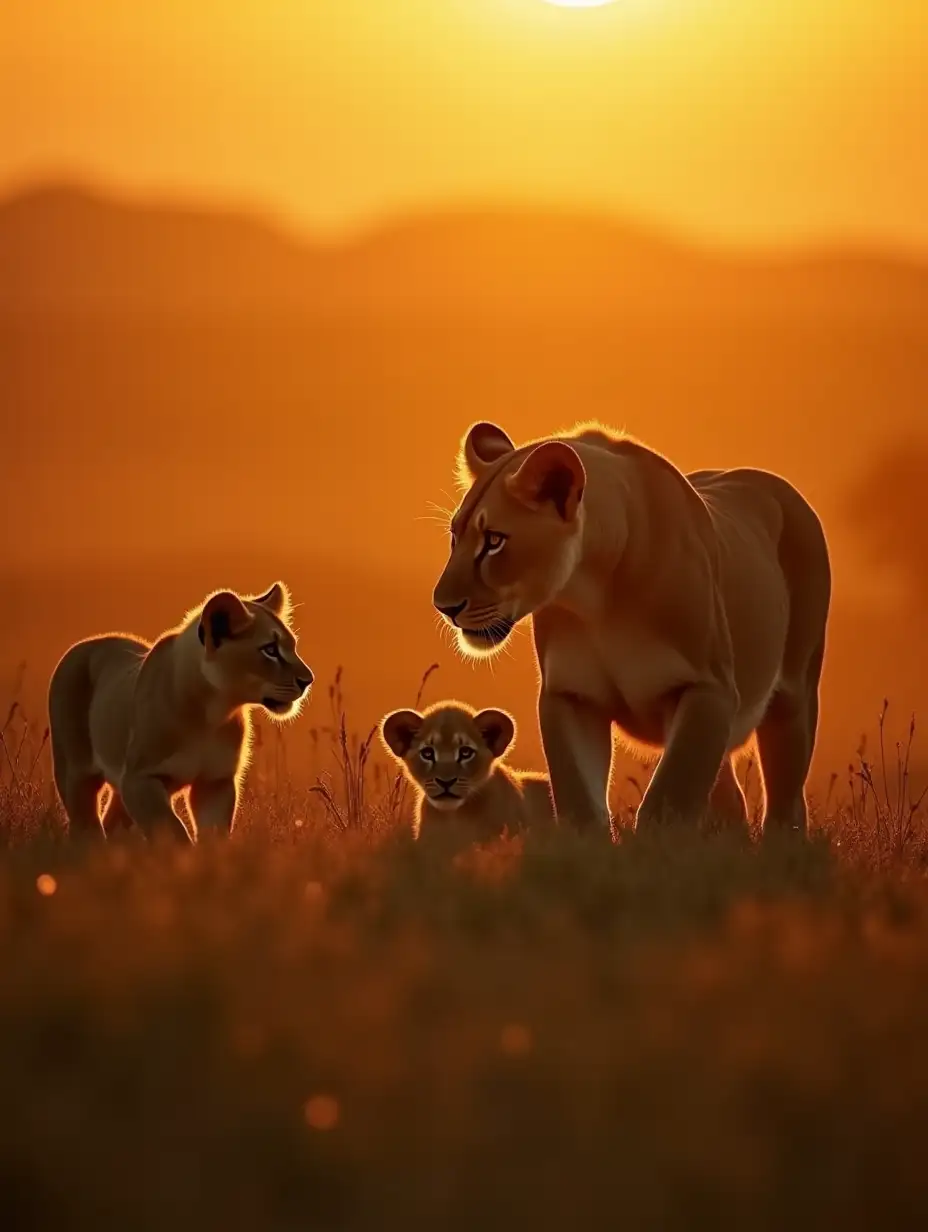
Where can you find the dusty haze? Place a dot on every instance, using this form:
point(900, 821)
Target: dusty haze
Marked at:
point(194, 399)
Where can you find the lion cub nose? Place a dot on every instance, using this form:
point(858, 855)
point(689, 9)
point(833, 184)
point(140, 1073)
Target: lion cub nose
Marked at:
point(303, 682)
point(452, 611)
point(446, 783)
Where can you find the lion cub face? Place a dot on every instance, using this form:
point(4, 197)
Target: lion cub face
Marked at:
point(516, 537)
point(450, 751)
point(249, 651)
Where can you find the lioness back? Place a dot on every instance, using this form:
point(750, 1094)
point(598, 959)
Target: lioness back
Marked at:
point(453, 755)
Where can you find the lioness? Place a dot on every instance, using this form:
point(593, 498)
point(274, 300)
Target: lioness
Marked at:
point(688, 610)
point(155, 720)
point(454, 756)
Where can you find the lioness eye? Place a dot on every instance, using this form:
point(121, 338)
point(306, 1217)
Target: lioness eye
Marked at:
point(465, 754)
point(271, 650)
point(493, 541)
point(428, 753)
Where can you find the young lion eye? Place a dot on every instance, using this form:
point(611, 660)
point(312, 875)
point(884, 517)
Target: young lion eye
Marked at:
point(466, 753)
point(271, 651)
point(493, 541)
point(428, 753)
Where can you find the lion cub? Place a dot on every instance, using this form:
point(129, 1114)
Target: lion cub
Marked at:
point(155, 720)
point(454, 756)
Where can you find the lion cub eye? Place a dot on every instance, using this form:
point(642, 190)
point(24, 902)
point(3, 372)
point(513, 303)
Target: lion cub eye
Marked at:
point(493, 541)
point(271, 651)
point(466, 753)
point(427, 753)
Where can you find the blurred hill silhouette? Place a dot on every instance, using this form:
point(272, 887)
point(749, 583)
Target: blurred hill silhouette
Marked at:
point(62, 247)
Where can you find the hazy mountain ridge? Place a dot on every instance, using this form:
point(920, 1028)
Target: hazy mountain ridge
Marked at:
point(64, 248)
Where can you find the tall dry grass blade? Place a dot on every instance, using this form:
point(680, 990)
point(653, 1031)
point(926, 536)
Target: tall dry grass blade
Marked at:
point(39, 751)
point(10, 762)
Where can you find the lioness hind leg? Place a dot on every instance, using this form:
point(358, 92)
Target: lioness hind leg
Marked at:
point(727, 799)
point(785, 741)
point(80, 795)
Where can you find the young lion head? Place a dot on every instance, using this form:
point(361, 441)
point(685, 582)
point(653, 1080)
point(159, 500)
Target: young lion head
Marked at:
point(249, 651)
point(448, 752)
point(515, 537)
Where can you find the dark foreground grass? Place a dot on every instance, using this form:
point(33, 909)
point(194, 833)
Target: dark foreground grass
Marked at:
point(365, 1033)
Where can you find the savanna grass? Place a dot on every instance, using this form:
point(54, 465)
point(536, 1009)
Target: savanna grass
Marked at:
point(331, 1026)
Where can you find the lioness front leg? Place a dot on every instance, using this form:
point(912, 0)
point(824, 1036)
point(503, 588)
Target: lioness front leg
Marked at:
point(213, 803)
point(577, 739)
point(727, 799)
point(697, 742)
point(148, 803)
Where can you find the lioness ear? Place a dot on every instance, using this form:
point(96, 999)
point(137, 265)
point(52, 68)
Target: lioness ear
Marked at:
point(399, 730)
point(223, 617)
point(552, 473)
point(483, 445)
point(497, 729)
point(277, 600)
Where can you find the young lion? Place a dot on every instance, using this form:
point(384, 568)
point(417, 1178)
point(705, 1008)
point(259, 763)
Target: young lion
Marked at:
point(155, 720)
point(454, 756)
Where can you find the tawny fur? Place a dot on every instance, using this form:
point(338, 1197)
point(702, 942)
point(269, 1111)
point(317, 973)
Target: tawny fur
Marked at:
point(690, 611)
point(152, 721)
point(454, 757)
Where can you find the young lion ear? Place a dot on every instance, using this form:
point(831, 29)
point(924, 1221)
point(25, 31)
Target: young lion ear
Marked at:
point(224, 616)
point(483, 445)
point(497, 729)
point(399, 730)
point(551, 474)
point(276, 600)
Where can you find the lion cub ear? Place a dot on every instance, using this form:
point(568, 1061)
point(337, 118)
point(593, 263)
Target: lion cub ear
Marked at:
point(483, 445)
point(497, 729)
point(551, 474)
point(399, 729)
point(224, 616)
point(276, 600)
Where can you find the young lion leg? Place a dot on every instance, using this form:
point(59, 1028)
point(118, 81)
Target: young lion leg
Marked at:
point(115, 815)
point(727, 799)
point(785, 740)
point(149, 804)
point(577, 740)
point(77, 781)
point(213, 804)
point(689, 767)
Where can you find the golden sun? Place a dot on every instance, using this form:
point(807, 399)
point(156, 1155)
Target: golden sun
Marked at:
point(580, 4)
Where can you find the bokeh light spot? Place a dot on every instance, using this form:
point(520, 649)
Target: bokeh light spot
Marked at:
point(516, 1040)
point(322, 1112)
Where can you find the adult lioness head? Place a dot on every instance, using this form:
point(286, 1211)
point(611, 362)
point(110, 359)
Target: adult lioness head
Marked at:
point(515, 538)
point(249, 651)
point(448, 752)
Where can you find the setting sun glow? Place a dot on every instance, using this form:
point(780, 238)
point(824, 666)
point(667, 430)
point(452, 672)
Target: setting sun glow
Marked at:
point(580, 4)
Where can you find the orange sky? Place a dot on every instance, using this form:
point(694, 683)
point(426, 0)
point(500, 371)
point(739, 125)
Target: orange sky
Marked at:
point(736, 119)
